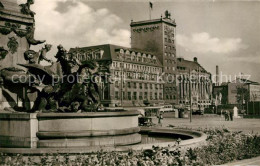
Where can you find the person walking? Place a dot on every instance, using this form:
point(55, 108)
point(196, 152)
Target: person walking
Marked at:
point(226, 115)
point(231, 114)
point(160, 117)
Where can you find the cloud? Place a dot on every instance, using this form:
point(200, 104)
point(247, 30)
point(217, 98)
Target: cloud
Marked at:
point(73, 23)
point(204, 43)
point(248, 58)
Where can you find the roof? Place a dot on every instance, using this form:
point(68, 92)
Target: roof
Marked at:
point(192, 65)
point(110, 53)
point(154, 21)
point(246, 81)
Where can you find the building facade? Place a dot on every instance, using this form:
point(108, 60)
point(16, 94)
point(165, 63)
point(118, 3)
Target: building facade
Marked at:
point(194, 84)
point(149, 71)
point(227, 93)
point(158, 36)
point(133, 78)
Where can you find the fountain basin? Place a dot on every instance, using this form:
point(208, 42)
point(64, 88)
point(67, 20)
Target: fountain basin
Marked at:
point(86, 133)
point(64, 130)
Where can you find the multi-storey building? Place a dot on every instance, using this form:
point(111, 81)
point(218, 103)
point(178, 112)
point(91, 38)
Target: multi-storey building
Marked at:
point(134, 75)
point(147, 72)
point(229, 91)
point(158, 36)
point(194, 84)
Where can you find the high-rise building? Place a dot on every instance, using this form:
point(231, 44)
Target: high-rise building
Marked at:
point(158, 36)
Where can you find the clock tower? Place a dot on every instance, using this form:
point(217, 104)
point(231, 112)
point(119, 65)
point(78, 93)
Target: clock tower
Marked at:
point(158, 37)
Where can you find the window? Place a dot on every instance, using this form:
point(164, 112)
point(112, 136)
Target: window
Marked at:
point(129, 96)
point(141, 85)
point(89, 56)
point(98, 55)
point(134, 84)
point(151, 86)
point(145, 95)
point(160, 96)
point(140, 95)
point(117, 84)
point(151, 95)
point(123, 95)
point(146, 86)
point(129, 84)
point(135, 96)
point(155, 96)
point(116, 95)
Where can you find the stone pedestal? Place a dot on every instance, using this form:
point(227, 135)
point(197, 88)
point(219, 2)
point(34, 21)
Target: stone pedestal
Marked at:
point(235, 110)
point(18, 130)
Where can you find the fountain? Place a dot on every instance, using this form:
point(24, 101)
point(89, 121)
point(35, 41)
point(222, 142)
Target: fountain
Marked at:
point(43, 108)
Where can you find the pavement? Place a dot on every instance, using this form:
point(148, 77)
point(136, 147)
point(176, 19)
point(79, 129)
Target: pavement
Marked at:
point(213, 121)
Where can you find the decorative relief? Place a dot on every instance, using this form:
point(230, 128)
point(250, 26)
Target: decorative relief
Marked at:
point(5, 31)
point(9, 27)
point(3, 53)
point(146, 29)
point(12, 45)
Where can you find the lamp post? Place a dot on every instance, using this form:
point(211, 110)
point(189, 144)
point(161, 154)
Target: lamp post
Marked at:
point(122, 75)
point(190, 95)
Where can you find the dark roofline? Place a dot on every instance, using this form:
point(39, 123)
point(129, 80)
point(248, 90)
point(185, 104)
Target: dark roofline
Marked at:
point(147, 22)
point(246, 81)
point(189, 61)
point(158, 64)
point(119, 47)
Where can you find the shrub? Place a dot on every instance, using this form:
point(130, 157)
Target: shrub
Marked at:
point(222, 147)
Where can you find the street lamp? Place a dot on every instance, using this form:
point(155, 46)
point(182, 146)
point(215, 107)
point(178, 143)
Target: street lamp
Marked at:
point(190, 95)
point(122, 75)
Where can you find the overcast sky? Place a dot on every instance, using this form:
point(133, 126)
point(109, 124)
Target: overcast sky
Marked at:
point(224, 33)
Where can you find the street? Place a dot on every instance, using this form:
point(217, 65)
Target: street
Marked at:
point(213, 121)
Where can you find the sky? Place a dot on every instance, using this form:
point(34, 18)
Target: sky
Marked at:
point(217, 32)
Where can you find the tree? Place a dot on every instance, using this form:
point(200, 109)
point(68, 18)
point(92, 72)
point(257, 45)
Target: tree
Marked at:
point(224, 94)
point(242, 95)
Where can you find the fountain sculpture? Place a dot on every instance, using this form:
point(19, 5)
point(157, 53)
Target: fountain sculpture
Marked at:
point(52, 106)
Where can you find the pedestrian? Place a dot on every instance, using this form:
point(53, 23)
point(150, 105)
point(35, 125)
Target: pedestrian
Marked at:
point(160, 117)
point(231, 114)
point(226, 115)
